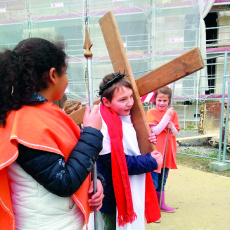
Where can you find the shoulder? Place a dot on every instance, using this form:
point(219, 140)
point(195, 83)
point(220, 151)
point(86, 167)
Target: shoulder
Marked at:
point(151, 114)
point(151, 111)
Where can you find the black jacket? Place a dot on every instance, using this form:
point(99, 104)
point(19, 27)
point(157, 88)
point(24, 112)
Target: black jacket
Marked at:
point(57, 176)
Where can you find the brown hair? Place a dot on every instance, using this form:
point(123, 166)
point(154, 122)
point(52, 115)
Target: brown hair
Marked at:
point(108, 91)
point(71, 105)
point(164, 90)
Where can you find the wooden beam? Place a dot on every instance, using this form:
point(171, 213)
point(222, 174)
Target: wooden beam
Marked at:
point(120, 63)
point(161, 76)
point(174, 70)
point(196, 137)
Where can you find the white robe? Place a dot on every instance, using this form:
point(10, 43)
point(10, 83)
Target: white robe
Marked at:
point(137, 182)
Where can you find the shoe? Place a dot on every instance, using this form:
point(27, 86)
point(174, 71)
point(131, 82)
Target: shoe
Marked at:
point(164, 207)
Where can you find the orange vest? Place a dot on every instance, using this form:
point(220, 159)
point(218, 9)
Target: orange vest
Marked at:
point(154, 117)
point(42, 126)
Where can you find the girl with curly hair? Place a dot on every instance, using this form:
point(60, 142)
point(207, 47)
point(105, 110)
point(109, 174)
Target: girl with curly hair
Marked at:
point(45, 162)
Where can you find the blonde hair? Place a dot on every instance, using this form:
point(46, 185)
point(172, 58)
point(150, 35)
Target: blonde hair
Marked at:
point(71, 105)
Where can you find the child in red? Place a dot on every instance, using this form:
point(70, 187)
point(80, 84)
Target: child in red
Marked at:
point(160, 119)
point(130, 197)
point(45, 160)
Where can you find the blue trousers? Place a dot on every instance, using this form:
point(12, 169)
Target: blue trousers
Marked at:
point(157, 178)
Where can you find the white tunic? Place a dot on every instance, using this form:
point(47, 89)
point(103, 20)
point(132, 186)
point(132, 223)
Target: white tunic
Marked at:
point(137, 182)
point(38, 209)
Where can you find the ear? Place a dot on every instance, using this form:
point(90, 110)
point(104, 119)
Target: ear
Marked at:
point(53, 75)
point(106, 102)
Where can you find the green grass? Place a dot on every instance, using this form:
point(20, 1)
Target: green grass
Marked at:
point(214, 155)
point(199, 164)
point(189, 127)
point(191, 152)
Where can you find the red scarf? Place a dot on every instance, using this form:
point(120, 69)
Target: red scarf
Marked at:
point(121, 184)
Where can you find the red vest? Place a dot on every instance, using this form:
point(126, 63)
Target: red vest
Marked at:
point(42, 126)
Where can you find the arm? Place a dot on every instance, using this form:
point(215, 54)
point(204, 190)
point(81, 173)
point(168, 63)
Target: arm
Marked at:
point(173, 128)
point(157, 129)
point(135, 164)
point(140, 164)
point(57, 176)
point(174, 125)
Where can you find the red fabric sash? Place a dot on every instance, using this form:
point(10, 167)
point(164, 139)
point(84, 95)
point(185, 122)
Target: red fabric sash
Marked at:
point(121, 184)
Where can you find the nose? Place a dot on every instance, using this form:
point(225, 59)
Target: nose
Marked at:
point(130, 102)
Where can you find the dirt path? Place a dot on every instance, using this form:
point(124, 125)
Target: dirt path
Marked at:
point(202, 201)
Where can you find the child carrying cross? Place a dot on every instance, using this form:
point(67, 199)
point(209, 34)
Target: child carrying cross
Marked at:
point(130, 196)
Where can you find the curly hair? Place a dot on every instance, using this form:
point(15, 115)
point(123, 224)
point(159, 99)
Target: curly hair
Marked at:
point(108, 92)
point(25, 69)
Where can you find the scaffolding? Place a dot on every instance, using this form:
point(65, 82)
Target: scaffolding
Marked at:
point(153, 33)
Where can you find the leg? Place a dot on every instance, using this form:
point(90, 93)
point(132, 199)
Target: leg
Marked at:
point(109, 221)
point(155, 177)
point(164, 207)
point(165, 177)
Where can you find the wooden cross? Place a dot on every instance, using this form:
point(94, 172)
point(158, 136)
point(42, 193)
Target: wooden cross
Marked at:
point(176, 69)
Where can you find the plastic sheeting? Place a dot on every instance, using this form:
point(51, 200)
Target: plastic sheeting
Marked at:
point(153, 32)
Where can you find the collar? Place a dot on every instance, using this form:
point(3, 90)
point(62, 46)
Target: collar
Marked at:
point(36, 97)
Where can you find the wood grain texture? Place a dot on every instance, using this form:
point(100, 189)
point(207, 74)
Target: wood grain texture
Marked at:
point(176, 69)
point(187, 63)
point(120, 63)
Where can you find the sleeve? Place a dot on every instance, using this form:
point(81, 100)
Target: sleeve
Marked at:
point(57, 176)
point(140, 164)
point(174, 130)
point(136, 165)
point(157, 129)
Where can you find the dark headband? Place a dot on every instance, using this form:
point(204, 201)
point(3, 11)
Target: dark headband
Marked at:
point(111, 82)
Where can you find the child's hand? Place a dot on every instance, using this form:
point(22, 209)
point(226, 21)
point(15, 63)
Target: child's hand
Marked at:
point(152, 138)
point(170, 125)
point(92, 118)
point(158, 156)
point(96, 199)
point(170, 111)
